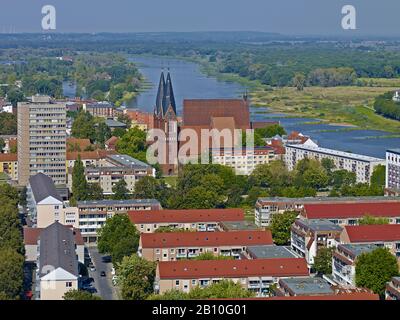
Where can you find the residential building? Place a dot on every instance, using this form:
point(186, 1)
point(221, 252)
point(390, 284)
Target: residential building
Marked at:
point(10, 143)
point(308, 236)
point(31, 243)
point(41, 139)
point(344, 262)
point(254, 275)
point(102, 109)
point(148, 221)
point(93, 214)
point(362, 166)
point(241, 225)
point(393, 289)
point(170, 246)
point(268, 252)
point(9, 165)
point(114, 124)
point(57, 263)
point(303, 286)
point(45, 205)
point(384, 235)
point(111, 144)
point(393, 172)
point(93, 159)
point(243, 160)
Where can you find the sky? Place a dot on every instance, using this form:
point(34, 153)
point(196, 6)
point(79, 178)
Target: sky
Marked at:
point(293, 17)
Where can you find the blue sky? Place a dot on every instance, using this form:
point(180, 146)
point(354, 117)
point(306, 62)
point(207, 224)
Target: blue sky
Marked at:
point(374, 17)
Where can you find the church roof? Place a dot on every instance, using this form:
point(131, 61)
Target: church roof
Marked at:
point(165, 96)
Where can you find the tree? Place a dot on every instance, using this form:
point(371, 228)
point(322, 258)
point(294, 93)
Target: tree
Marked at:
point(224, 289)
point(15, 96)
point(79, 183)
point(84, 126)
point(94, 192)
point(368, 219)
point(374, 269)
point(299, 80)
point(378, 177)
point(133, 143)
point(211, 256)
point(173, 294)
point(2, 145)
point(11, 273)
point(280, 226)
point(118, 237)
point(120, 190)
point(136, 277)
point(273, 175)
point(80, 295)
point(10, 227)
point(102, 133)
point(328, 164)
point(323, 260)
point(341, 178)
point(8, 123)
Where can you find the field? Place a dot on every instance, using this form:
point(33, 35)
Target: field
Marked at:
point(340, 105)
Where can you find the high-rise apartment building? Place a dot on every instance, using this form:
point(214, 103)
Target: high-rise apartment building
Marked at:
point(41, 139)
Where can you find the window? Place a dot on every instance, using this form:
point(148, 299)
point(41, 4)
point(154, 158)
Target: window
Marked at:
point(68, 284)
point(177, 283)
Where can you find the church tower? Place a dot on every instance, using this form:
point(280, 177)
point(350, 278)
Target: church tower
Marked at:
point(165, 118)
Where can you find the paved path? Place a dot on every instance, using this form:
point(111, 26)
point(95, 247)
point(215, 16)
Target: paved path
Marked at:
point(104, 286)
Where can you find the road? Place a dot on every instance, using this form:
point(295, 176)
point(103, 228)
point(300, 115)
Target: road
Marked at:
point(104, 286)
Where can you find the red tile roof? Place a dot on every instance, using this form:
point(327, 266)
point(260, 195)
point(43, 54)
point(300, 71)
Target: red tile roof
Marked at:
point(373, 233)
point(8, 157)
point(186, 216)
point(31, 236)
point(352, 210)
point(192, 269)
point(85, 155)
point(82, 143)
point(205, 239)
point(341, 296)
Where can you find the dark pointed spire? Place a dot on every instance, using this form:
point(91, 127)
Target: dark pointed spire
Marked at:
point(160, 95)
point(169, 99)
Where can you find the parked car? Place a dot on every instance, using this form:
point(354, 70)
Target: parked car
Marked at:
point(91, 290)
point(103, 274)
point(92, 268)
point(106, 259)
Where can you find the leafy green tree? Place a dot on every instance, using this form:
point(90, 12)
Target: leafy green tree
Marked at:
point(136, 277)
point(374, 269)
point(2, 145)
point(118, 237)
point(15, 96)
point(80, 295)
point(8, 124)
point(368, 219)
point(378, 177)
point(211, 256)
point(133, 143)
point(299, 81)
point(94, 192)
point(224, 289)
point(102, 133)
point(341, 178)
point(79, 183)
point(328, 164)
point(11, 272)
point(170, 295)
point(120, 191)
point(84, 126)
point(270, 131)
point(323, 260)
point(280, 226)
point(10, 227)
point(273, 175)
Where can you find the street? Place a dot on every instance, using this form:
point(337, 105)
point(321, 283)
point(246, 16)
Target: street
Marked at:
point(104, 286)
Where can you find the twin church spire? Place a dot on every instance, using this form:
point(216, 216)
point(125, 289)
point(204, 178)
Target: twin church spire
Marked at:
point(165, 96)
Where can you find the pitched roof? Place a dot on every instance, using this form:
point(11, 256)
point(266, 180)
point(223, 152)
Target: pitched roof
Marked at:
point(82, 143)
point(199, 112)
point(8, 157)
point(373, 233)
point(186, 216)
point(165, 96)
point(86, 155)
point(31, 236)
point(42, 187)
point(352, 210)
point(191, 269)
point(57, 249)
point(112, 140)
point(205, 239)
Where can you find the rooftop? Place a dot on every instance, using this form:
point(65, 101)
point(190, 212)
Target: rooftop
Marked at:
point(117, 202)
point(204, 239)
point(318, 225)
point(43, 187)
point(8, 157)
point(356, 249)
point(191, 269)
point(239, 225)
point(326, 200)
point(31, 236)
point(269, 252)
point(352, 210)
point(396, 150)
point(337, 153)
point(186, 216)
point(127, 161)
point(57, 249)
point(373, 233)
point(306, 286)
point(115, 124)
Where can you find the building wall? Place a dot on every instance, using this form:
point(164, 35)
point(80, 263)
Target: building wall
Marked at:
point(55, 290)
point(393, 170)
point(10, 168)
point(31, 252)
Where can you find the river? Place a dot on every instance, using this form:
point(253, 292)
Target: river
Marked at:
point(190, 83)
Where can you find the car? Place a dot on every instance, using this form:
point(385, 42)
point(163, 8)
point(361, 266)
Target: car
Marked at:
point(92, 268)
point(87, 281)
point(91, 290)
point(103, 274)
point(106, 259)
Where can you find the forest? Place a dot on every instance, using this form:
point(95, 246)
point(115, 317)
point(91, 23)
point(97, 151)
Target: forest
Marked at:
point(385, 106)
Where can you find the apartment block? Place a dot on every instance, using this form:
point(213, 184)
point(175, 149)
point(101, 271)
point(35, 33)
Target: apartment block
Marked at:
point(41, 139)
point(255, 275)
point(93, 214)
point(45, 205)
point(344, 262)
point(243, 160)
point(385, 235)
point(57, 263)
point(308, 236)
point(171, 246)
point(149, 221)
point(268, 252)
point(393, 172)
point(9, 165)
point(100, 109)
point(362, 166)
point(393, 289)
